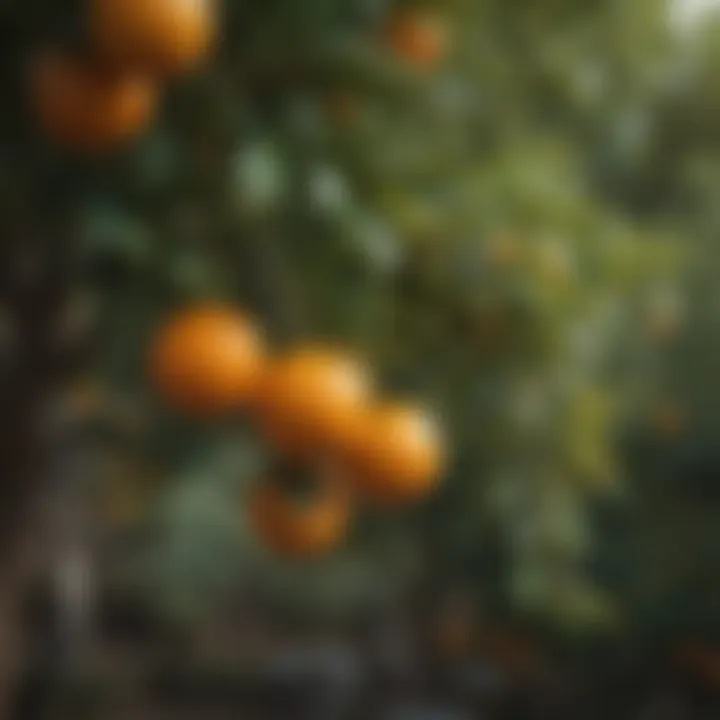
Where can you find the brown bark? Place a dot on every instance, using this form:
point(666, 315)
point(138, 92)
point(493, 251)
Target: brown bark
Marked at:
point(17, 570)
point(19, 455)
point(32, 294)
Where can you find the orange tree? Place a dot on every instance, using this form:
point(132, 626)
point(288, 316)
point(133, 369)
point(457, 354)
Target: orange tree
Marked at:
point(418, 182)
point(448, 190)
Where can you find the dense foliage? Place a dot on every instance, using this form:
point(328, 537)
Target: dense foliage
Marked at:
point(492, 202)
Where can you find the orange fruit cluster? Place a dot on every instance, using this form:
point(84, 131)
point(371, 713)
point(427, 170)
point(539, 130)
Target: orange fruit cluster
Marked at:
point(96, 101)
point(318, 406)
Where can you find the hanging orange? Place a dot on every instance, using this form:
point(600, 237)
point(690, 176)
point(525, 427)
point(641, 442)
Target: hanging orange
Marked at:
point(301, 524)
point(158, 36)
point(208, 360)
point(399, 454)
point(418, 37)
point(88, 108)
point(313, 398)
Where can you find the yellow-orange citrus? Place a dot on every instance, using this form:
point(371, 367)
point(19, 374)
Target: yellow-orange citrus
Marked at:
point(87, 108)
point(157, 36)
point(208, 360)
point(312, 399)
point(398, 455)
point(297, 526)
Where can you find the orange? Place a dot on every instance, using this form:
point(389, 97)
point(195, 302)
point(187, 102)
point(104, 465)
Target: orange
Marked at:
point(313, 398)
point(299, 525)
point(399, 454)
point(87, 108)
point(418, 37)
point(158, 36)
point(208, 360)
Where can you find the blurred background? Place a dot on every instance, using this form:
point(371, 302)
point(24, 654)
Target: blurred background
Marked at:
point(509, 209)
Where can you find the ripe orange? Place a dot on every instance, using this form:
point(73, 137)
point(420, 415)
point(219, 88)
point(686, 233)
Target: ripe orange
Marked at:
point(399, 454)
point(312, 399)
point(158, 36)
point(88, 108)
point(296, 524)
point(208, 360)
point(418, 37)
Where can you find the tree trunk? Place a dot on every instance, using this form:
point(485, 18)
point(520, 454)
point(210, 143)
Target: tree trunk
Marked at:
point(20, 477)
point(12, 632)
point(31, 275)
